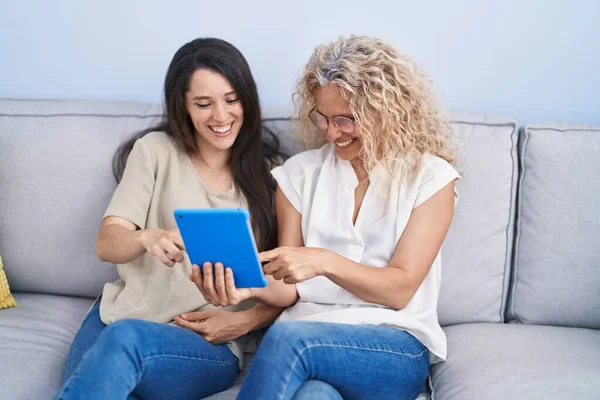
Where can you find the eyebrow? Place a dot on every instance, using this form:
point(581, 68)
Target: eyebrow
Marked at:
point(208, 97)
point(338, 115)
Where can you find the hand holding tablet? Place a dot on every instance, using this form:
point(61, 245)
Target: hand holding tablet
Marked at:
point(222, 235)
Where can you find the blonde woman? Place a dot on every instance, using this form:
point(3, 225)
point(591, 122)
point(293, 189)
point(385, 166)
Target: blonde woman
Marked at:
point(361, 223)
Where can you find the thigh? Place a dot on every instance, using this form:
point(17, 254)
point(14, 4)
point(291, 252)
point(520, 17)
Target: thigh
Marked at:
point(360, 361)
point(175, 363)
point(86, 336)
point(314, 389)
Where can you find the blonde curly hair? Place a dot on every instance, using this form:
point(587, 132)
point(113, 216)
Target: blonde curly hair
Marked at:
point(396, 109)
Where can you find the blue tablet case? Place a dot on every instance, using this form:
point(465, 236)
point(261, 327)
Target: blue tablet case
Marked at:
point(222, 235)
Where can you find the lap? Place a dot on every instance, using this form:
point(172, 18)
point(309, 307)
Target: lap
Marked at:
point(356, 360)
point(346, 336)
point(155, 339)
point(168, 361)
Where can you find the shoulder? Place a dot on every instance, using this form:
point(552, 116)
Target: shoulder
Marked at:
point(299, 172)
point(158, 145)
point(433, 166)
point(157, 141)
point(434, 174)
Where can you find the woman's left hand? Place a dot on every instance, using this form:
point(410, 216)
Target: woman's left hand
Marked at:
point(217, 285)
point(216, 326)
point(296, 264)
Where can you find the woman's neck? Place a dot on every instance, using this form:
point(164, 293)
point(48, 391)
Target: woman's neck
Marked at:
point(215, 160)
point(359, 169)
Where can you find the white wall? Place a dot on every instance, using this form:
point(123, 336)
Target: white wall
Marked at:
point(533, 60)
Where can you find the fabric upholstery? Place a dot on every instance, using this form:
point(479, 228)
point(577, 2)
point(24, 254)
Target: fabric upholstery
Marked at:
point(556, 280)
point(515, 361)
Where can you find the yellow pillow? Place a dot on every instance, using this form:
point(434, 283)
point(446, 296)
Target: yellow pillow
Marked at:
point(6, 299)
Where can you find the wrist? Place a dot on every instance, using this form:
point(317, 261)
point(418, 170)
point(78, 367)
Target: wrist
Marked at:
point(256, 294)
point(245, 320)
point(141, 237)
point(329, 265)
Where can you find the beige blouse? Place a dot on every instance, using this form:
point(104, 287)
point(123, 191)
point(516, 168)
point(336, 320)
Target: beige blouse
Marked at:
point(159, 178)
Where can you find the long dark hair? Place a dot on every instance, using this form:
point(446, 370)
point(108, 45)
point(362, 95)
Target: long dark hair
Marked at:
point(254, 150)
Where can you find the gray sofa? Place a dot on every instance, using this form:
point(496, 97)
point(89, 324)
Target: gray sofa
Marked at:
point(520, 299)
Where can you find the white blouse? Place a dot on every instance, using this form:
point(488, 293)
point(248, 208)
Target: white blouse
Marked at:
point(321, 187)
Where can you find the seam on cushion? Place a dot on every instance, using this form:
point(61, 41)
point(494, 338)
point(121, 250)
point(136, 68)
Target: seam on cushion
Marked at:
point(82, 115)
point(515, 214)
point(515, 275)
point(430, 385)
point(511, 209)
point(511, 123)
point(565, 129)
point(115, 115)
point(55, 99)
point(24, 99)
point(275, 119)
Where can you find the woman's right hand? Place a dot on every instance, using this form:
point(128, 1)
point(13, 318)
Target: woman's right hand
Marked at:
point(164, 245)
point(217, 285)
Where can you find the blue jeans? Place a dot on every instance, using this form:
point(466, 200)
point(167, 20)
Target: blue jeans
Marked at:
point(297, 359)
point(133, 359)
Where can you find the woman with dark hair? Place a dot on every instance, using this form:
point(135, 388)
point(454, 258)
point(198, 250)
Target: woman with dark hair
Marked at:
point(153, 335)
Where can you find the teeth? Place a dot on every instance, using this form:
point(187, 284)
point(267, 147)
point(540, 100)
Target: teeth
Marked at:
point(221, 130)
point(344, 144)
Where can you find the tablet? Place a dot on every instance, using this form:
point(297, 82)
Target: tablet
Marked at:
point(222, 235)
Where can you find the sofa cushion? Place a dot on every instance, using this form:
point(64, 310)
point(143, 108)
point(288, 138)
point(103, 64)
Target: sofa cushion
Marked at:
point(476, 255)
point(556, 280)
point(55, 184)
point(516, 361)
point(35, 338)
point(477, 251)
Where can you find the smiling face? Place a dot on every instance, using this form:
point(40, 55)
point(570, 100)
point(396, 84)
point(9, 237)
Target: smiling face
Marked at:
point(215, 110)
point(330, 104)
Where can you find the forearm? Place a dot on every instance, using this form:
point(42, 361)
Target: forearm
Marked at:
point(277, 293)
point(388, 286)
point(119, 245)
point(259, 316)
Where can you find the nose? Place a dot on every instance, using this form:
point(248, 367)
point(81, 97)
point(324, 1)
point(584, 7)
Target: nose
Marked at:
point(333, 133)
point(219, 114)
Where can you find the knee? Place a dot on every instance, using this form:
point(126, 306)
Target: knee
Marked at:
point(315, 389)
point(122, 336)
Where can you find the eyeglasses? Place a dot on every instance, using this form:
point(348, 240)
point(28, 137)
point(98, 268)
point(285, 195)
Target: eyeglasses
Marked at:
point(344, 124)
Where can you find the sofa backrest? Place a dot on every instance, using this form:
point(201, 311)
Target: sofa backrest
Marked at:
point(56, 181)
point(55, 184)
point(556, 276)
point(476, 256)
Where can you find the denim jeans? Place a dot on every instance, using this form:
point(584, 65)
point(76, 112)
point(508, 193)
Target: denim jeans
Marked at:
point(133, 359)
point(297, 359)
